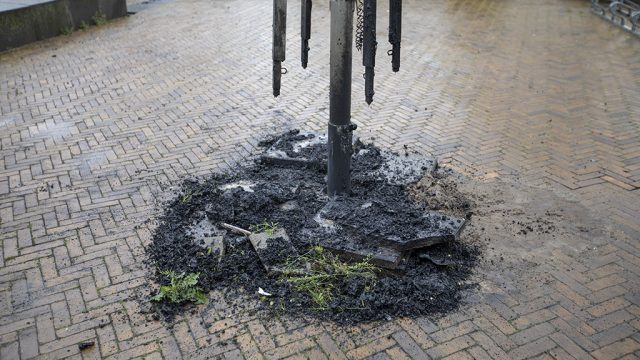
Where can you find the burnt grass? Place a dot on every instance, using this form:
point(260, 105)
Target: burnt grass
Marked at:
point(422, 288)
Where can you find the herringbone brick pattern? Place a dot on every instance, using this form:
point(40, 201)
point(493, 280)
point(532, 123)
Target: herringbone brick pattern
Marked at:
point(97, 126)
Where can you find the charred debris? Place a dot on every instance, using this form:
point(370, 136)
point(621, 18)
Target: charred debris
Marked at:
point(267, 238)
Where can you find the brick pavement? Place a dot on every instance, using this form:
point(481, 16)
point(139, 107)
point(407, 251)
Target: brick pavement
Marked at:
point(96, 126)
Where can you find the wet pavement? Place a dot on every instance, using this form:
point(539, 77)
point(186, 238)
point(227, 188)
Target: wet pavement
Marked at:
point(536, 103)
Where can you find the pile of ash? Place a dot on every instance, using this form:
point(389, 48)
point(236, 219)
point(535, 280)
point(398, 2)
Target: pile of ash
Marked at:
point(268, 233)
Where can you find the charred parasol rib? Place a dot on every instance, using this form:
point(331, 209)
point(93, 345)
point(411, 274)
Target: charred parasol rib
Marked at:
point(279, 41)
point(395, 32)
point(369, 46)
point(305, 31)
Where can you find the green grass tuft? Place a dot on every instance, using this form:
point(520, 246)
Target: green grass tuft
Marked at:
point(268, 228)
point(99, 19)
point(188, 195)
point(326, 272)
point(181, 288)
point(66, 31)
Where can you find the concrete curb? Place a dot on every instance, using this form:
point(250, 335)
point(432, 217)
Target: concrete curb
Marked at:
point(24, 25)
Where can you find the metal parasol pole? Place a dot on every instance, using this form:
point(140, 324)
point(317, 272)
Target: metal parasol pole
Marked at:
point(340, 127)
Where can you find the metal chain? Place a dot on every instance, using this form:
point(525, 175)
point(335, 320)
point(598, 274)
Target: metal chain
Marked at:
point(359, 23)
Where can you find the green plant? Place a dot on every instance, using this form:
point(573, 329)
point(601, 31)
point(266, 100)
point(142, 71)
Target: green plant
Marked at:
point(188, 195)
point(324, 272)
point(266, 227)
point(66, 30)
point(181, 288)
point(99, 19)
point(83, 25)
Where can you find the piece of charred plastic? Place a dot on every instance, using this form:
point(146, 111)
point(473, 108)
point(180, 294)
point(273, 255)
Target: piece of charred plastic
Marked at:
point(279, 42)
point(395, 32)
point(369, 46)
point(305, 31)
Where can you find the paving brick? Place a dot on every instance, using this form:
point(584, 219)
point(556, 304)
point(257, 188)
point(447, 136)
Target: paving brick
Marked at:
point(261, 336)
point(329, 346)
point(376, 332)
point(606, 294)
point(495, 351)
point(617, 349)
point(67, 341)
point(608, 306)
point(613, 334)
point(558, 353)
point(24, 238)
point(233, 354)
point(605, 282)
point(569, 346)
point(88, 136)
point(15, 326)
point(408, 345)
point(290, 336)
point(290, 349)
point(107, 340)
point(10, 351)
point(460, 355)
point(611, 319)
point(533, 333)
point(121, 326)
point(450, 347)
point(426, 325)
point(532, 349)
point(44, 326)
point(183, 337)
point(380, 356)
point(498, 321)
point(575, 334)
point(248, 347)
point(196, 324)
point(478, 353)
point(540, 316)
point(75, 302)
point(28, 343)
point(135, 352)
point(314, 354)
point(371, 348)
point(169, 348)
point(397, 353)
point(420, 337)
point(453, 332)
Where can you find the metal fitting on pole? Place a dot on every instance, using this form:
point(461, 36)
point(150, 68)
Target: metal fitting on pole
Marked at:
point(340, 132)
